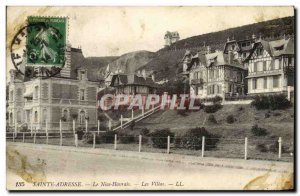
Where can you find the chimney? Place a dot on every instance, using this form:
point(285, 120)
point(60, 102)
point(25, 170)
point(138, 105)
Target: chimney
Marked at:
point(230, 56)
point(153, 77)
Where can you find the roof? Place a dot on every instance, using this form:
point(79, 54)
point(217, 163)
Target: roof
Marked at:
point(218, 58)
point(172, 34)
point(277, 47)
point(132, 79)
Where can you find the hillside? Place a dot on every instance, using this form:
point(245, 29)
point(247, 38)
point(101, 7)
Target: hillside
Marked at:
point(132, 61)
point(168, 60)
point(95, 64)
point(279, 123)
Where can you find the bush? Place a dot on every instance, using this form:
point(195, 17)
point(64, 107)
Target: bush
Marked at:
point(211, 119)
point(240, 108)
point(182, 113)
point(257, 131)
point(145, 132)
point(108, 137)
point(267, 115)
point(125, 138)
point(217, 99)
point(273, 102)
point(193, 139)
point(212, 108)
point(159, 138)
point(88, 138)
point(230, 119)
point(261, 148)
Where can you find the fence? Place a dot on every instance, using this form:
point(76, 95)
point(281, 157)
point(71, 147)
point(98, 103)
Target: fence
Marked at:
point(242, 148)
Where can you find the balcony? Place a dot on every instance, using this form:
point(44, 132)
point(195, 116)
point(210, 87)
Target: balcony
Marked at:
point(196, 82)
point(265, 73)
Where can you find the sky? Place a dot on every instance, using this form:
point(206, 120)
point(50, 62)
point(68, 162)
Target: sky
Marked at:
point(113, 31)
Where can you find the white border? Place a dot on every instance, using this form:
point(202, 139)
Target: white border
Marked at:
point(4, 3)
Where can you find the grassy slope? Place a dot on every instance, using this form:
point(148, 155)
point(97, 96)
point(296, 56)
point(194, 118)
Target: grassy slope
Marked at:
point(241, 128)
point(233, 134)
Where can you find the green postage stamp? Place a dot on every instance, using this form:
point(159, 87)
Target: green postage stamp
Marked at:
point(46, 41)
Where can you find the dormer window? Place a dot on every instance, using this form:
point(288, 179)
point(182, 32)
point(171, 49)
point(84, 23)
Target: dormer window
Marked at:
point(279, 47)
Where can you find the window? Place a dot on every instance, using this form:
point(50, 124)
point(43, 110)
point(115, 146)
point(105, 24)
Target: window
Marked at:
point(255, 67)
point(265, 82)
point(260, 51)
point(254, 83)
point(11, 96)
point(82, 94)
point(11, 120)
point(65, 114)
point(19, 120)
point(264, 66)
point(44, 115)
point(275, 81)
point(36, 92)
point(36, 116)
point(81, 117)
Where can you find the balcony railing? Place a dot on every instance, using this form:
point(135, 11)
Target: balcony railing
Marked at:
point(196, 81)
point(265, 72)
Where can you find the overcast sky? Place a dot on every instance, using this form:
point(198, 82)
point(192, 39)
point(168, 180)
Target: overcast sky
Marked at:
point(107, 31)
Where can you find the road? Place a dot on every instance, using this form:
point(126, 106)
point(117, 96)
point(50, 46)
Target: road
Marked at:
point(78, 170)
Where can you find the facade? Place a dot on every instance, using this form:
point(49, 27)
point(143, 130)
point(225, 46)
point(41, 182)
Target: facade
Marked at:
point(71, 93)
point(240, 49)
point(214, 74)
point(271, 66)
point(171, 37)
point(132, 84)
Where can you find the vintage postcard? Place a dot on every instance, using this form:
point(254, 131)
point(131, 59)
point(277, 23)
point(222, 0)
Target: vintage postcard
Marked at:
point(150, 98)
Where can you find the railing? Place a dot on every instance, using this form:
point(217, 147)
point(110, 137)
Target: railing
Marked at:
point(72, 101)
point(138, 118)
point(201, 146)
point(265, 72)
point(196, 81)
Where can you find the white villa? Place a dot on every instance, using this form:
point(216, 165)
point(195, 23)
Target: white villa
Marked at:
point(271, 66)
point(71, 93)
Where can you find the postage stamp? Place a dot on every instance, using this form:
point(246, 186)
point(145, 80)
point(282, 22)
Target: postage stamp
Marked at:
point(150, 98)
point(38, 49)
point(46, 41)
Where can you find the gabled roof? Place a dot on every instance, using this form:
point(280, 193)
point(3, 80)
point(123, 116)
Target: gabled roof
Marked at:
point(219, 58)
point(276, 48)
point(132, 79)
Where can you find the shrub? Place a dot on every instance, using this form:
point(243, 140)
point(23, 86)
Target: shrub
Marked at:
point(145, 132)
point(217, 99)
point(193, 139)
point(212, 108)
point(230, 119)
point(132, 124)
point(240, 108)
point(80, 133)
point(261, 148)
point(273, 102)
point(211, 119)
point(109, 137)
point(258, 131)
point(125, 138)
point(182, 113)
point(267, 115)
point(279, 102)
point(159, 138)
point(88, 138)
point(277, 114)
